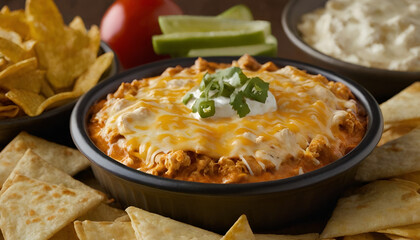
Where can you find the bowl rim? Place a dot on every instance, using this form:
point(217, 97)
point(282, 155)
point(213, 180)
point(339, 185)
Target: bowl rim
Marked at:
point(79, 118)
point(294, 36)
point(113, 70)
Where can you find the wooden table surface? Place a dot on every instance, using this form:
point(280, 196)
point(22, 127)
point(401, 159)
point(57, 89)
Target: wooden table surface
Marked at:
point(92, 10)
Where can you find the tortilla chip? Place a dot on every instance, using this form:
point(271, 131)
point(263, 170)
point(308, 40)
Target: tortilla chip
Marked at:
point(103, 212)
point(67, 159)
point(28, 101)
point(63, 51)
point(33, 166)
point(88, 230)
point(46, 89)
point(403, 107)
point(11, 36)
point(413, 177)
point(78, 24)
point(56, 100)
point(124, 218)
point(24, 65)
point(410, 231)
point(150, 226)
point(91, 77)
point(66, 233)
point(12, 51)
point(308, 236)
point(31, 209)
point(25, 80)
point(95, 38)
point(14, 21)
point(395, 131)
point(239, 230)
point(392, 159)
point(379, 205)
point(8, 111)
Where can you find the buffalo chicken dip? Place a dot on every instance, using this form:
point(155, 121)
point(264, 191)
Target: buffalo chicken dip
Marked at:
point(228, 123)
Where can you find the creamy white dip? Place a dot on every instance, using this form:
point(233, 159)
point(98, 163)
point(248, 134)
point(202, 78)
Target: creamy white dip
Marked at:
point(373, 33)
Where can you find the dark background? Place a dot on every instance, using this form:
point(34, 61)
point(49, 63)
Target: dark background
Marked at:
point(92, 10)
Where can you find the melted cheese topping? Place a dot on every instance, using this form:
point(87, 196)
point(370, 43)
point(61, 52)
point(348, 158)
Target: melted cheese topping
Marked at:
point(154, 120)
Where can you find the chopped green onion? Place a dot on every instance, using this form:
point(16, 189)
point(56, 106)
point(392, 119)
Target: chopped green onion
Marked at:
point(187, 98)
point(231, 83)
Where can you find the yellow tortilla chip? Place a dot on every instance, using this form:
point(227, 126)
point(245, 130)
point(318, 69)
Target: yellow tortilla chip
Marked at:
point(103, 212)
point(403, 107)
point(66, 233)
point(14, 21)
point(89, 230)
point(239, 230)
point(410, 231)
point(395, 131)
point(46, 89)
point(33, 166)
point(379, 205)
point(11, 36)
point(150, 226)
point(392, 159)
point(67, 159)
point(308, 236)
point(95, 38)
point(25, 80)
point(32, 209)
point(56, 100)
point(78, 24)
point(9, 111)
point(12, 51)
point(27, 100)
point(91, 77)
point(63, 51)
point(25, 65)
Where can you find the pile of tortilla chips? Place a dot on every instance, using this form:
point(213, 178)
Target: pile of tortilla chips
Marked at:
point(43, 62)
point(388, 205)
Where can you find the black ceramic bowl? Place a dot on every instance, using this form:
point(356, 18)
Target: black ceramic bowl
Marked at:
point(267, 205)
point(52, 124)
point(382, 83)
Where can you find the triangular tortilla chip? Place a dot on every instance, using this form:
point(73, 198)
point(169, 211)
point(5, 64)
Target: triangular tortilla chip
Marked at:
point(31, 209)
point(67, 159)
point(392, 159)
point(395, 131)
point(308, 236)
point(66, 233)
point(379, 205)
point(239, 230)
point(103, 212)
point(403, 107)
point(150, 226)
point(33, 166)
point(410, 231)
point(89, 230)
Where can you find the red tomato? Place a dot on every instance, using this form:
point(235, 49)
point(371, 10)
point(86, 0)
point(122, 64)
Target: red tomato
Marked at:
point(128, 27)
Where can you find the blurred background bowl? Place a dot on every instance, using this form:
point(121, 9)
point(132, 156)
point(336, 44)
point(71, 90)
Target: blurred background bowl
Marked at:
point(52, 124)
point(267, 205)
point(382, 83)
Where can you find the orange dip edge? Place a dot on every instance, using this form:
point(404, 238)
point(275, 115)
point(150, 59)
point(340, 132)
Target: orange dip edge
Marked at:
point(145, 126)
